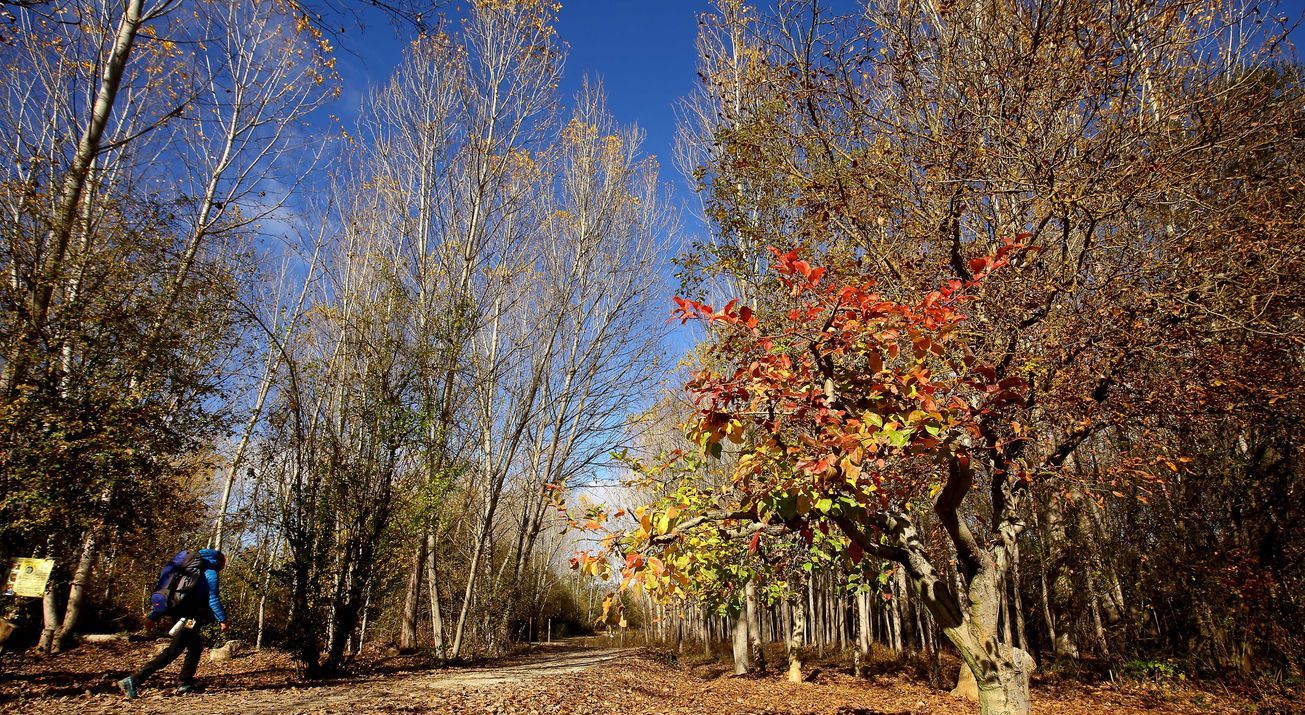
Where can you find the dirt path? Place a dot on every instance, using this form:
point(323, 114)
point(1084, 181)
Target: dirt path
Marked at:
point(568, 679)
point(399, 692)
point(403, 691)
point(543, 663)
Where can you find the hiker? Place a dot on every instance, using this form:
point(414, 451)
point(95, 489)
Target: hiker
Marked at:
point(188, 593)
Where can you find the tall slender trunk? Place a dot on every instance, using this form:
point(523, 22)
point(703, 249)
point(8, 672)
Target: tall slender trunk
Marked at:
point(704, 630)
point(52, 265)
point(362, 630)
point(862, 631)
point(740, 641)
point(813, 629)
point(793, 644)
point(1098, 628)
point(902, 596)
point(412, 600)
point(491, 478)
point(432, 579)
point(77, 590)
point(1045, 595)
point(88, 147)
point(840, 612)
point(895, 618)
point(473, 571)
point(50, 612)
point(758, 653)
point(1016, 599)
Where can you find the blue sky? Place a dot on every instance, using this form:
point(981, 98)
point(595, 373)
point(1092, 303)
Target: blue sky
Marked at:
point(644, 53)
point(643, 50)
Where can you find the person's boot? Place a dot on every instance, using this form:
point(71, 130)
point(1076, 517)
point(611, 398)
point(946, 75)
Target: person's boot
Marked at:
point(186, 689)
point(128, 687)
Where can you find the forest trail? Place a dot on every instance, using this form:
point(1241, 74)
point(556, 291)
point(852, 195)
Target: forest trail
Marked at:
point(264, 691)
point(542, 663)
point(559, 679)
point(399, 693)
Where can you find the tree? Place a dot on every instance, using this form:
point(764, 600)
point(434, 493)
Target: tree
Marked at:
point(852, 410)
point(505, 258)
point(914, 136)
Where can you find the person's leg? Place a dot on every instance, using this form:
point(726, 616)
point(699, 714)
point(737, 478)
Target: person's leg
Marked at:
point(161, 660)
point(194, 648)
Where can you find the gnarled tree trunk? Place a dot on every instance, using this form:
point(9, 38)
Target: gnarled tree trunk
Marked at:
point(1000, 671)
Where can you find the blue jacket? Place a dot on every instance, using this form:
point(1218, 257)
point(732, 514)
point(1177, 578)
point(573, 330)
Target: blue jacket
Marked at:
point(208, 589)
point(211, 586)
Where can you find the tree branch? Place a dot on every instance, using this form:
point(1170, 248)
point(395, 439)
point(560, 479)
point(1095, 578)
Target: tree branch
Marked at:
point(960, 478)
point(910, 553)
point(696, 521)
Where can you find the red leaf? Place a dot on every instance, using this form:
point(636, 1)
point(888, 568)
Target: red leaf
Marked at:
point(1013, 383)
point(747, 318)
point(756, 541)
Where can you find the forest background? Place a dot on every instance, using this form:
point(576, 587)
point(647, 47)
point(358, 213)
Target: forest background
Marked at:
point(377, 302)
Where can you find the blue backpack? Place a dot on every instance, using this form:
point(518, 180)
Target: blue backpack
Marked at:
point(181, 577)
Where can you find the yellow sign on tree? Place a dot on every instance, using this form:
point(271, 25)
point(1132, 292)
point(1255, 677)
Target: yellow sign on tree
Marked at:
point(27, 577)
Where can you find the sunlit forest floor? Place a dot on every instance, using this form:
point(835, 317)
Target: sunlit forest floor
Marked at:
point(564, 680)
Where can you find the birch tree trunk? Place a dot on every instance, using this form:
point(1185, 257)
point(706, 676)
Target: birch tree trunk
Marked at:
point(50, 613)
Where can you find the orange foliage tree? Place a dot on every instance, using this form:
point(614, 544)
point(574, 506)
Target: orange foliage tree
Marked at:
point(850, 411)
